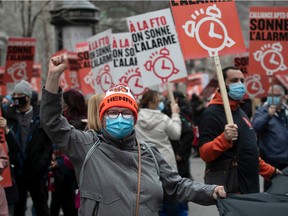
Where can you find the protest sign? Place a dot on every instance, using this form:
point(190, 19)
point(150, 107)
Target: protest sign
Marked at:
point(100, 53)
point(283, 79)
point(19, 60)
point(157, 48)
point(241, 61)
point(72, 60)
point(84, 72)
point(126, 69)
point(207, 29)
point(196, 83)
point(210, 88)
point(3, 90)
point(268, 40)
point(36, 77)
point(5, 178)
point(256, 85)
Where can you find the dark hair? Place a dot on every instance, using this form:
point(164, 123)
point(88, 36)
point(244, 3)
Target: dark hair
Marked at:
point(181, 98)
point(34, 98)
point(226, 69)
point(76, 104)
point(183, 102)
point(148, 96)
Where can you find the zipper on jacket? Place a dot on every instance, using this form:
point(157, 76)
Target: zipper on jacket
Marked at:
point(95, 210)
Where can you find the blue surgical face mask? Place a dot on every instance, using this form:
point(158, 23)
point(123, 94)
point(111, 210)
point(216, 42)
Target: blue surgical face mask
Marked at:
point(236, 91)
point(275, 100)
point(161, 106)
point(119, 127)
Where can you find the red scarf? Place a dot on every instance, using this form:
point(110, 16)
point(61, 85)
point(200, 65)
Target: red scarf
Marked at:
point(217, 99)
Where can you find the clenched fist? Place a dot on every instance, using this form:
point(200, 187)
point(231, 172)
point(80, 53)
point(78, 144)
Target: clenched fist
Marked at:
point(219, 191)
point(57, 65)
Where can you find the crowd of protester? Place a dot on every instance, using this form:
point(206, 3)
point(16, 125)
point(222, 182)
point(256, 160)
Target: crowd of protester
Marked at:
point(47, 156)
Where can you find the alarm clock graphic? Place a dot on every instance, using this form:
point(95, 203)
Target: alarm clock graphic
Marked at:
point(18, 71)
point(162, 65)
point(134, 81)
point(104, 78)
point(254, 85)
point(271, 58)
point(213, 40)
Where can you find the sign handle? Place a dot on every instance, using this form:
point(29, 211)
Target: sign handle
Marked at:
point(223, 90)
point(271, 83)
point(170, 93)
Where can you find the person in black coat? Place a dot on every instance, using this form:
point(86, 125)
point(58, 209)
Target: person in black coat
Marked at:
point(182, 148)
point(23, 126)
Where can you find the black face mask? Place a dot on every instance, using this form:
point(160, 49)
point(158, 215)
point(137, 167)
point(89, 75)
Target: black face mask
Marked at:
point(19, 101)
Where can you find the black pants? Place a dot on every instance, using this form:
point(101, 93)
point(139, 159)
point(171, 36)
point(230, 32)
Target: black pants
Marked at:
point(63, 197)
point(39, 194)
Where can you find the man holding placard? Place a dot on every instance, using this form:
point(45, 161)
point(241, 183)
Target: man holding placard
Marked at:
point(230, 150)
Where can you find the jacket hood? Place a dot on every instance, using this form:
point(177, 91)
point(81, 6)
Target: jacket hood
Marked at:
point(149, 119)
point(217, 99)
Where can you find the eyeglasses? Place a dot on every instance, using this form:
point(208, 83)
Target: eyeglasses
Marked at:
point(113, 114)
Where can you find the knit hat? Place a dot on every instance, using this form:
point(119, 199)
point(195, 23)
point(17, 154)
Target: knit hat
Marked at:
point(119, 96)
point(23, 87)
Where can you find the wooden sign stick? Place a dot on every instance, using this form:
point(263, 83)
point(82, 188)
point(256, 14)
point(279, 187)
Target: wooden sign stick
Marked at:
point(223, 90)
point(170, 93)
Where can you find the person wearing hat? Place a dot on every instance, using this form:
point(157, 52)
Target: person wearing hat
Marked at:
point(32, 161)
point(117, 175)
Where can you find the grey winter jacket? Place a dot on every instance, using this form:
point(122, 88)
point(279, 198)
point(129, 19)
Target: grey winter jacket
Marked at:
point(109, 184)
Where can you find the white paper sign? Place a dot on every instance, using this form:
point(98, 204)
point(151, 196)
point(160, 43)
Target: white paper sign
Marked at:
point(126, 69)
point(157, 47)
point(100, 53)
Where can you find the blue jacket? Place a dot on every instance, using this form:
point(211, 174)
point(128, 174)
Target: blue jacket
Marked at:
point(273, 136)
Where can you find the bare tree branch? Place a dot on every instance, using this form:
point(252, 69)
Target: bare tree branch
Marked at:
point(29, 7)
point(36, 16)
point(23, 19)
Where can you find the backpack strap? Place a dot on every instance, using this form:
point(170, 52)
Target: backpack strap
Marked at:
point(87, 157)
point(153, 155)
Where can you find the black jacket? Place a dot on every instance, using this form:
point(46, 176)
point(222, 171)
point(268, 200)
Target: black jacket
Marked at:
point(33, 164)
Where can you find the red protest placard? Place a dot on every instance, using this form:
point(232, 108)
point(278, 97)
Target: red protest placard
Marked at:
point(207, 29)
point(210, 88)
point(3, 90)
point(19, 59)
point(257, 86)
point(85, 73)
point(72, 59)
point(5, 178)
point(283, 79)
point(241, 61)
point(36, 77)
point(195, 83)
point(268, 40)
